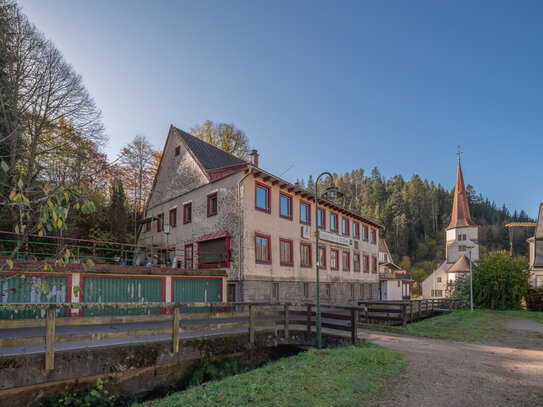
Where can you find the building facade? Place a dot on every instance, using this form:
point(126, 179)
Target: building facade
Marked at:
point(394, 283)
point(536, 252)
point(221, 211)
point(462, 242)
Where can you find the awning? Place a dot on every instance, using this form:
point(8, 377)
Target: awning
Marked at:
point(213, 236)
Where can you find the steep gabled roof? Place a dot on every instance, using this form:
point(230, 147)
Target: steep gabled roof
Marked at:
point(460, 217)
point(461, 265)
point(210, 157)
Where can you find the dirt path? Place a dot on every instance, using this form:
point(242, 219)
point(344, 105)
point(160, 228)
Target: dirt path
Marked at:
point(447, 373)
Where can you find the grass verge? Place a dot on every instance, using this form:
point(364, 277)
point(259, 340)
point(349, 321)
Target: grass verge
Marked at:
point(339, 377)
point(479, 326)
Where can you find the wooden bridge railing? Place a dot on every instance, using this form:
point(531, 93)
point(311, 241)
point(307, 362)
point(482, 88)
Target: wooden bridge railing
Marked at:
point(234, 318)
point(402, 312)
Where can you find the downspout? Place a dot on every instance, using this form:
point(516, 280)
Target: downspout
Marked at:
point(240, 234)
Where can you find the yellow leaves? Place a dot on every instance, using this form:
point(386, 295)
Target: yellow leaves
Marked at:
point(10, 264)
point(40, 233)
point(59, 223)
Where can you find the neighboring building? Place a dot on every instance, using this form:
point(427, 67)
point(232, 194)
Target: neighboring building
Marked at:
point(394, 283)
point(536, 252)
point(462, 237)
point(228, 213)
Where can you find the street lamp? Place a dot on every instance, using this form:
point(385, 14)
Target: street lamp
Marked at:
point(330, 193)
point(167, 231)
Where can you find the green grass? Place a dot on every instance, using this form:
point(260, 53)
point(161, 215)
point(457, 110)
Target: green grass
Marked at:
point(339, 377)
point(479, 326)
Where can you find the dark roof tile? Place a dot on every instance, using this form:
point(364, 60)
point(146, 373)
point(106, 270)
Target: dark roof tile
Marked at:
point(210, 157)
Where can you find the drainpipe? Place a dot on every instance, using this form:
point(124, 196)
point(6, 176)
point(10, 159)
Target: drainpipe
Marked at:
point(240, 234)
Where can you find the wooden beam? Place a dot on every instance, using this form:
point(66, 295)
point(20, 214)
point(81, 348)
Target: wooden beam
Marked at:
point(275, 182)
point(50, 339)
point(175, 330)
point(297, 193)
point(257, 174)
point(266, 178)
point(290, 189)
point(283, 186)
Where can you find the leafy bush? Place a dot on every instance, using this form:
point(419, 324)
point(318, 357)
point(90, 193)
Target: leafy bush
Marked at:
point(500, 282)
point(461, 293)
point(534, 299)
point(216, 370)
point(91, 396)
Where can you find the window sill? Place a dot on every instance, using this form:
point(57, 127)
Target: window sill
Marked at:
point(334, 269)
point(187, 221)
point(306, 223)
point(268, 211)
point(306, 266)
point(286, 217)
point(285, 264)
point(263, 261)
point(211, 214)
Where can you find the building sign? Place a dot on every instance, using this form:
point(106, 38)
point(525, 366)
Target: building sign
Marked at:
point(331, 237)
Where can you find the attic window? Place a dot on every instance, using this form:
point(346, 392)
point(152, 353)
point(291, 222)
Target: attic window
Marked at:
point(177, 150)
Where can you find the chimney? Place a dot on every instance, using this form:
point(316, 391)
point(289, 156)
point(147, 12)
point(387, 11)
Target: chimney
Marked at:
point(254, 158)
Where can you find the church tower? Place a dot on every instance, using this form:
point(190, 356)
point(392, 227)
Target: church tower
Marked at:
point(462, 233)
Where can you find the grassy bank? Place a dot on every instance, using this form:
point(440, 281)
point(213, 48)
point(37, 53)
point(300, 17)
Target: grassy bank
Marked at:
point(479, 326)
point(339, 377)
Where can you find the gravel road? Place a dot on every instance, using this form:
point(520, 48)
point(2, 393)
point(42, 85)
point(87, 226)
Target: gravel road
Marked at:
point(450, 374)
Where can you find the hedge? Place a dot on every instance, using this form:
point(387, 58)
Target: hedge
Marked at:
point(534, 299)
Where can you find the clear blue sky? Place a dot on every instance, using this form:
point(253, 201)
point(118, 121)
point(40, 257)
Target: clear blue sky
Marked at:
point(325, 85)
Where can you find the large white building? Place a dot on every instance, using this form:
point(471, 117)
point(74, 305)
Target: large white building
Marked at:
point(462, 239)
point(536, 252)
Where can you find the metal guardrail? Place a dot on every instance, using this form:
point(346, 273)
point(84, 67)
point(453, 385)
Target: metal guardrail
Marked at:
point(289, 314)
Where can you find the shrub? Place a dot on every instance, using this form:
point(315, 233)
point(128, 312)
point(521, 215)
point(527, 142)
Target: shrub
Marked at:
point(90, 396)
point(216, 370)
point(461, 293)
point(534, 299)
point(500, 282)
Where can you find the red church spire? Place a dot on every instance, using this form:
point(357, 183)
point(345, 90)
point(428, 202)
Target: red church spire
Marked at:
point(460, 217)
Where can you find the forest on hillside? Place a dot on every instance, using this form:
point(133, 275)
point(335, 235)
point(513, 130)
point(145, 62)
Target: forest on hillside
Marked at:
point(415, 213)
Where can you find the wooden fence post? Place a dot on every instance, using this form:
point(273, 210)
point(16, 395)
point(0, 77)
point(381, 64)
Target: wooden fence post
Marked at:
point(354, 325)
point(251, 324)
point(308, 323)
point(404, 315)
point(410, 311)
point(286, 322)
point(50, 339)
point(175, 329)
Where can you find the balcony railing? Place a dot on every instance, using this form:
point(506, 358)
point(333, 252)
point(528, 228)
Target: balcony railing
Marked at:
point(48, 248)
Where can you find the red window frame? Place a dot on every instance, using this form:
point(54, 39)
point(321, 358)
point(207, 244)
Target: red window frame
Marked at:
point(366, 264)
point(290, 199)
point(290, 263)
point(268, 203)
point(374, 264)
point(209, 198)
point(343, 253)
point(260, 261)
point(334, 226)
point(173, 217)
point(356, 260)
point(336, 251)
point(185, 218)
point(159, 220)
point(373, 236)
point(310, 264)
point(365, 234)
point(323, 263)
point(189, 251)
point(348, 224)
point(302, 202)
point(356, 230)
point(148, 227)
point(323, 218)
